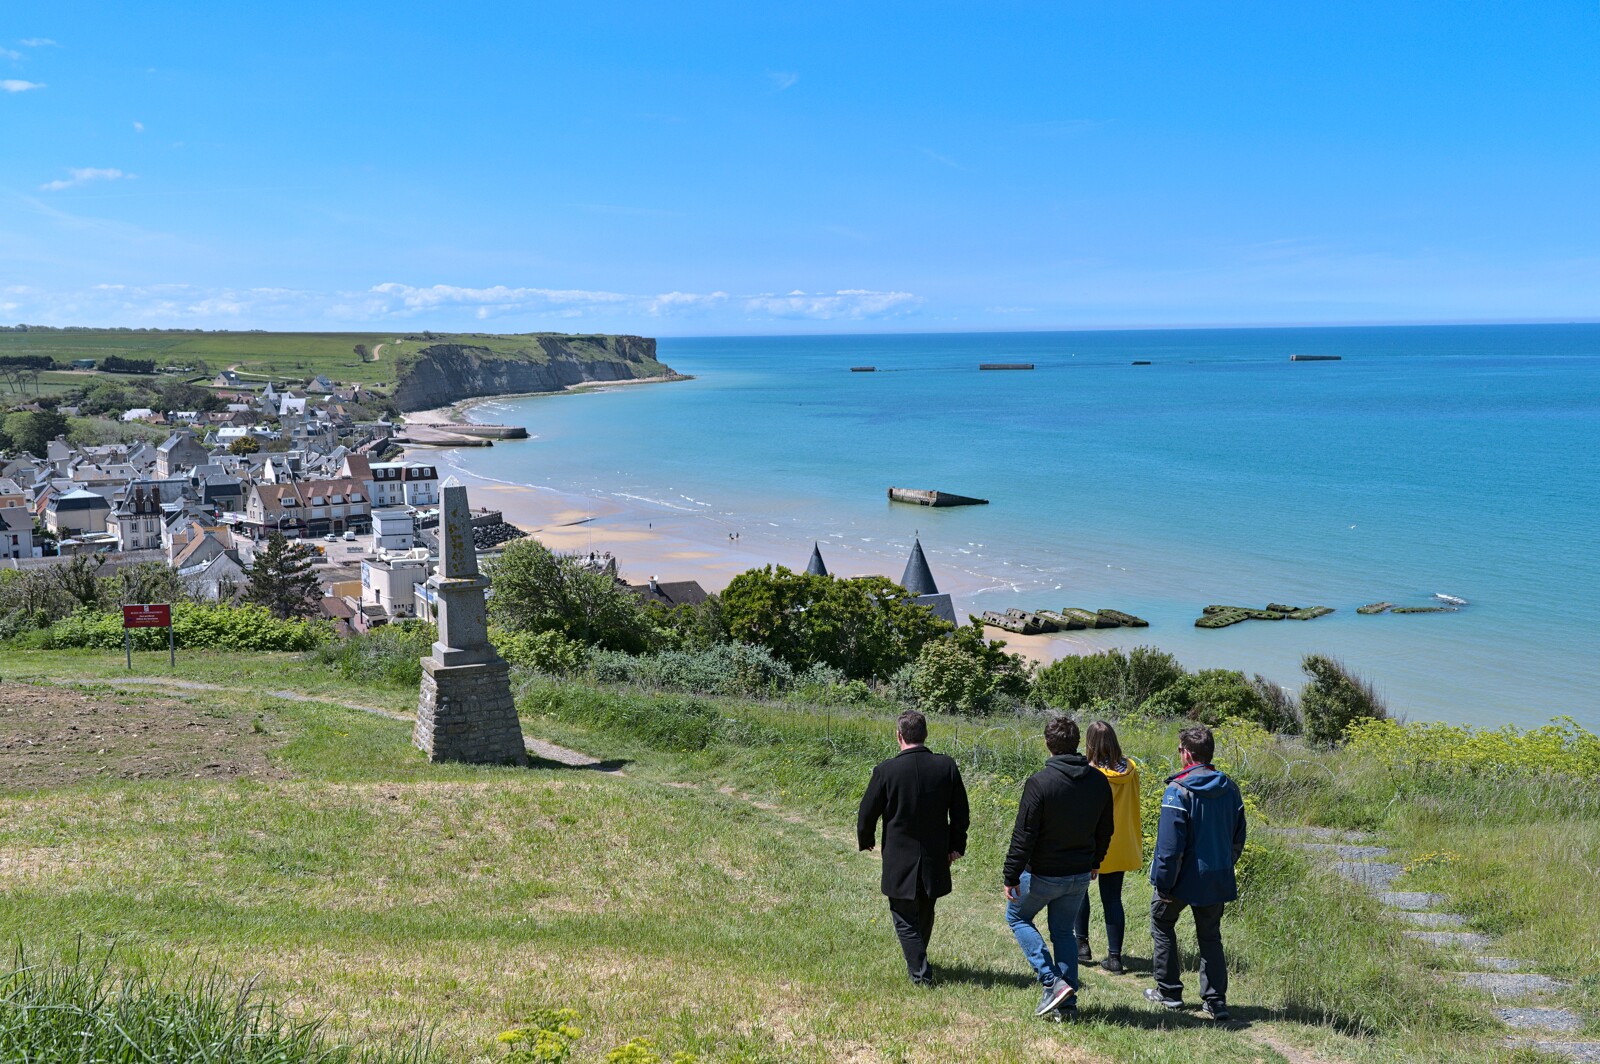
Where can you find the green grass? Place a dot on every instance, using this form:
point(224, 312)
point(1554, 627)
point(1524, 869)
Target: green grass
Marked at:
point(709, 896)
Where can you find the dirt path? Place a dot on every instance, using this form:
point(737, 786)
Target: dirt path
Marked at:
point(377, 352)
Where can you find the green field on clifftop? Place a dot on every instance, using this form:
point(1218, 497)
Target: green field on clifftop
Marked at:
point(285, 355)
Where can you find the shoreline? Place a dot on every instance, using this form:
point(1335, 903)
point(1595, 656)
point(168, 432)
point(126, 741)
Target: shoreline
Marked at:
point(652, 541)
point(455, 413)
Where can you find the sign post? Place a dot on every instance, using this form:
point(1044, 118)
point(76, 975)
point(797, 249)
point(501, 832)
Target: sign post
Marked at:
point(148, 615)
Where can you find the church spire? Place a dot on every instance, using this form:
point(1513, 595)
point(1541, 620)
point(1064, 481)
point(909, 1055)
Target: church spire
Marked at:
point(917, 579)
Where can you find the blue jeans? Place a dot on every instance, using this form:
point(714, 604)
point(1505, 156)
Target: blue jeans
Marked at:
point(1061, 896)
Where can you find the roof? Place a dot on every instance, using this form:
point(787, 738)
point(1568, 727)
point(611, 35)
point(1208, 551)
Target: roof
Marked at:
point(816, 566)
point(16, 518)
point(81, 499)
point(917, 578)
point(670, 592)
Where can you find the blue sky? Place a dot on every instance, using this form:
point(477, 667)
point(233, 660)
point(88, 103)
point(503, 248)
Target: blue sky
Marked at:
point(739, 168)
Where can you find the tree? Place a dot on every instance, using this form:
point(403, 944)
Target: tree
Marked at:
point(867, 627)
point(968, 674)
point(1335, 698)
point(535, 590)
point(281, 578)
point(79, 579)
point(32, 430)
point(1212, 696)
point(244, 445)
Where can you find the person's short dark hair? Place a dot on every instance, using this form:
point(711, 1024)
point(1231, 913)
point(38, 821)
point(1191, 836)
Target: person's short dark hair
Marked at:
point(1197, 739)
point(1100, 745)
point(1061, 735)
point(912, 727)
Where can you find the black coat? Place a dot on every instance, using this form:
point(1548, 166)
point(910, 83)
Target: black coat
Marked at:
point(1064, 821)
point(923, 805)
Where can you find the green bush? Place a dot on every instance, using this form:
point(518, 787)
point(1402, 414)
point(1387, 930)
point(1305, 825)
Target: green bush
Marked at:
point(209, 626)
point(1335, 698)
point(1212, 696)
point(724, 669)
point(1121, 681)
point(548, 651)
point(390, 655)
point(967, 674)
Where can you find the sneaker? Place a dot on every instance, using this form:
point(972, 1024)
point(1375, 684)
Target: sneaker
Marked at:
point(1067, 1013)
point(1054, 994)
point(1152, 994)
point(1217, 1010)
point(1085, 954)
point(1113, 963)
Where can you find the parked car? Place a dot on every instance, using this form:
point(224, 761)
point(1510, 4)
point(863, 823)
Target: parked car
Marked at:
point(331, 538)
point(349, 535)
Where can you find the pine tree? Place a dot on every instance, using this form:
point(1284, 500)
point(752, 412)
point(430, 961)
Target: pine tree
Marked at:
point(281, 578)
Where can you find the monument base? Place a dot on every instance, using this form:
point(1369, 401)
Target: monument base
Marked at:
point(466, 713)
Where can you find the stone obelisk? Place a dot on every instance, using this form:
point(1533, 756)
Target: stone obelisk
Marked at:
point(465, 712)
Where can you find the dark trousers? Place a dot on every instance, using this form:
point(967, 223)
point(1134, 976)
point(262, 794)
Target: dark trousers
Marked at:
point(913, 924)
point(1164, 954)
point(1111, 902)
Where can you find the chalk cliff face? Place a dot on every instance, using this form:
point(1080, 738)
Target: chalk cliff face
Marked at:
point(447, 372)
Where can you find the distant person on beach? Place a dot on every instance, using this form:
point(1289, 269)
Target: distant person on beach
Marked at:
point(1199, 841)
point(922, 802)
point(1063, 830)
point(1126, 854)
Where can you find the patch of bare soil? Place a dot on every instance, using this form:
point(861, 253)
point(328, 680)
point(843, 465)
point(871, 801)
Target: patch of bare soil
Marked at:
point(53, 736)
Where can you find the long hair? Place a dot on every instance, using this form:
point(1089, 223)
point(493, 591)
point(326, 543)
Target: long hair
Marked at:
point(1101, 745)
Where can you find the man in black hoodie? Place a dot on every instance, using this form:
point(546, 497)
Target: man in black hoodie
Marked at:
point(1063, 830)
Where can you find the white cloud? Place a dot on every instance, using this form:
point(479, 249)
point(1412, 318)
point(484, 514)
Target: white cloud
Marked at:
point(851, 304)
point(37, 42)
point(437, 306)
point(138, 127)
point(18, 85)
point(7, 53)
point(782, 79)
point(82, 175)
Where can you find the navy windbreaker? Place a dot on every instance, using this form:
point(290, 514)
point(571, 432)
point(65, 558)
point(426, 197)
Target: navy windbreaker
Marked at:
point(1200, 838)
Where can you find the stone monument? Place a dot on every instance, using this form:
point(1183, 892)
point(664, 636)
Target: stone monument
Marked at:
point(465, 712)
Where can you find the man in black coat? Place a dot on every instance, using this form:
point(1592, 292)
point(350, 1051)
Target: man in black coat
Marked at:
point(923, 804)
point(1063, 829)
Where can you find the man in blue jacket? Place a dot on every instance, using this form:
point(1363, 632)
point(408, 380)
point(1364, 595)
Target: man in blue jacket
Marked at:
point(1199, 841)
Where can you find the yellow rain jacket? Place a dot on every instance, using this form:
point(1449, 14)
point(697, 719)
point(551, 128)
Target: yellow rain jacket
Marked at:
point(1127, 838)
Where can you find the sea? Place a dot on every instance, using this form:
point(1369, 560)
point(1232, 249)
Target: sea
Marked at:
point(1426, 461)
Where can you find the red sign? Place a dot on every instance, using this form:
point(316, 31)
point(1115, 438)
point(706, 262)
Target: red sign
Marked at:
point(156, 615)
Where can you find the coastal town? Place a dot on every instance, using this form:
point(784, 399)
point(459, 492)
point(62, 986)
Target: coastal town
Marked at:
point(289, 457)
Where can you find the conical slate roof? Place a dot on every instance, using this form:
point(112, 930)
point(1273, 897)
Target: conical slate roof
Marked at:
point(815, 566)
point(917, 579)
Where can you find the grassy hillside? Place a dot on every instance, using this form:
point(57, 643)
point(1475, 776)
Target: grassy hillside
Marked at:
point(279, 355)
point(708, 895)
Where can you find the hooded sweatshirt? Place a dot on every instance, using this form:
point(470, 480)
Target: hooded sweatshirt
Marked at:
point(1127, 841)
point(1064, 821)
point(1200, 839)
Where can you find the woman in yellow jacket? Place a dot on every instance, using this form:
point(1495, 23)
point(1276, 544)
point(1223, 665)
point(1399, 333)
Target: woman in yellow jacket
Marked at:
point(1127, 842)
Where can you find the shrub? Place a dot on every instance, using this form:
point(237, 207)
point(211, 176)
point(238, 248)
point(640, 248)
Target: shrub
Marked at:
point(724, 669)
point(549, 652)
point(535, 590)
point(1212, 696)
point(967, 674)
point(664, 722)
point(391, 654)
point(1122, 680)
point(1334, 699)
point(207, 626)
point(1560, 748)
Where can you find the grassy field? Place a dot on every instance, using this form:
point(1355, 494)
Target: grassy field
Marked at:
point(278, 356)
point(708, 895)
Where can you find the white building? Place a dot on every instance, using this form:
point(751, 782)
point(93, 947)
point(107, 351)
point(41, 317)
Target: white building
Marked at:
point(405, 484)
point(390, 584)
point(16, 532)
point(394, 529)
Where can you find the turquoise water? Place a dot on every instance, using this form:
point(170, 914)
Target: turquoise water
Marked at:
point(1463, 460)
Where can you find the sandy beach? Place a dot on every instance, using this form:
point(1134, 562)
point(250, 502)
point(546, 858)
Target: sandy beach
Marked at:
point(649, 542)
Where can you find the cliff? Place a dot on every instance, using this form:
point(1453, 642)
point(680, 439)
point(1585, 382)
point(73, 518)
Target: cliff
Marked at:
point(466, 368)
